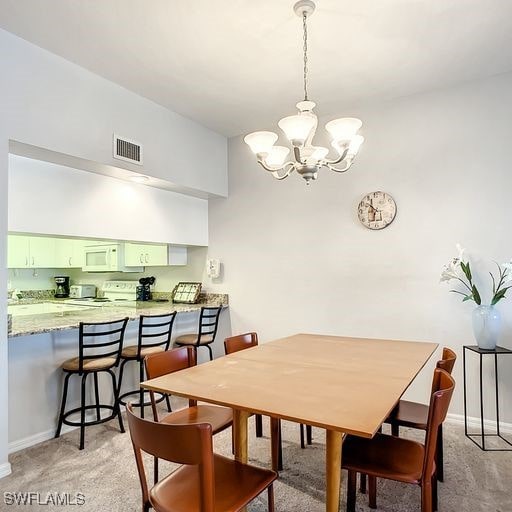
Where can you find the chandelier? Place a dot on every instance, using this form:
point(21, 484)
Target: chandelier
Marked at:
point(300, 130)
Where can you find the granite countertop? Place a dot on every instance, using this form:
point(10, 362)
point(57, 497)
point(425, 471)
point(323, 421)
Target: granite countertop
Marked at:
point(25, 325)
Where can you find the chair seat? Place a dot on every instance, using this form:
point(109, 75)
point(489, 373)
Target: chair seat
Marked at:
point(236, 484)
point(191, 339)
point(410, 414)
point(100, 363)
point(218, 417)
point(130, 352)
point(394, 458)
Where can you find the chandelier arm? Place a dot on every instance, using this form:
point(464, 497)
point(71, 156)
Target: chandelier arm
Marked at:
point(348, 165)
point(285, 175)
point(296, 154)
point(275, 169)
point(339, 159)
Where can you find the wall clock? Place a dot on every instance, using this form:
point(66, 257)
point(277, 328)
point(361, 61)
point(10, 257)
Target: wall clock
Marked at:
point(377, 210)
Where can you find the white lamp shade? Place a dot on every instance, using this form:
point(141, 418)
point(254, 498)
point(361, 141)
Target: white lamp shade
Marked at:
point(344, 128)
point(276, 156)
point(260, 142)
point(355, 144)
point(319, 153)
point(297, 128)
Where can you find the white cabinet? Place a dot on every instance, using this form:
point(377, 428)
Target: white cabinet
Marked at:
point(154, 255)
point(18, 251)
point(30, 252)
point(69, 253)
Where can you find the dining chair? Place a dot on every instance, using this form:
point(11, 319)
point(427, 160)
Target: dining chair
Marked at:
point(415, 415)
point(164, 363)
point(206, 333)
point(205, 482)
point(244, 341)
point(396, 458)
point(154, 336)
point(99, 350)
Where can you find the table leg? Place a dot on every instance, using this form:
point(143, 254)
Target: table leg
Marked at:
point(240, 434)
point(333, 471)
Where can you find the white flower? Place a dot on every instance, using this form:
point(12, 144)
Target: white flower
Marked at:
point(450, 271)
point(461, 252)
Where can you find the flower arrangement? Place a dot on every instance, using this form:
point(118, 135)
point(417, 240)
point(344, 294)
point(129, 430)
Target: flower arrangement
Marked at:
point(459, 269)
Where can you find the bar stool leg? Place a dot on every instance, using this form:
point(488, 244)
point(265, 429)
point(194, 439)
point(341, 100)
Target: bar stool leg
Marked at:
point(121, 371)
point(141, 392)
point(210, 351)
point(97, 396)
point(63, 404)
point(82, 411)
point(117, 408)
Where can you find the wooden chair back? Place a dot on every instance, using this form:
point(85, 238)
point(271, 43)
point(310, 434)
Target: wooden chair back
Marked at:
point(163, 363)
point(100, 339)
point(240, 342)
point(182, 444)
point(155, 331)
point(443, 386)
point(447, 361)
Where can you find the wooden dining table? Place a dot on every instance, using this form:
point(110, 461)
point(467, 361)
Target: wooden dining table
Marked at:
point(341, 384)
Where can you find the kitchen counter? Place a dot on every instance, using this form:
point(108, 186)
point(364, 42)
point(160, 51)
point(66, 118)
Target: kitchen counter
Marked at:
point(25, 325)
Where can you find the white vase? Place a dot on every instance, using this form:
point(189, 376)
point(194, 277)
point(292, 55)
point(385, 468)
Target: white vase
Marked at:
point(486, 326)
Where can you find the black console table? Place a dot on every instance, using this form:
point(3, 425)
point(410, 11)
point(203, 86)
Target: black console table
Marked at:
point(482, 435)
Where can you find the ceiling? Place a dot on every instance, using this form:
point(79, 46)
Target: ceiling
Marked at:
point(235, 65)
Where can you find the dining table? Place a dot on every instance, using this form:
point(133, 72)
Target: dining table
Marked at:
point(345, 385)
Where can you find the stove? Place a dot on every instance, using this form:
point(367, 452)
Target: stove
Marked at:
point(114, 293)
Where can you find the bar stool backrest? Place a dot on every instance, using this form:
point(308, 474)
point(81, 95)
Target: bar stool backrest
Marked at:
point(155, 331)
point(240, 342)
point(182, 444)
point(443, 386)
point(100, 339)
point(208, 322)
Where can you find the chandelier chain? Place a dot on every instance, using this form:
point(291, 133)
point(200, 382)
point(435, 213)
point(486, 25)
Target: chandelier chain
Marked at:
point(305, 48)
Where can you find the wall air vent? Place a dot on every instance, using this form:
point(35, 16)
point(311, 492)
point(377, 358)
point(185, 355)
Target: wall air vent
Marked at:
point(127, 150)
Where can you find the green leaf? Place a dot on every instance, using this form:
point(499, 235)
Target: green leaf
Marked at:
point(500, 295)
point(467, 271)
point(493, 283)
point(467, 297)
point(476, 295)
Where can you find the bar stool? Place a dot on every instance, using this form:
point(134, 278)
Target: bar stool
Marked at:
point(205, 336)
point(154, 336)
point(99, 350)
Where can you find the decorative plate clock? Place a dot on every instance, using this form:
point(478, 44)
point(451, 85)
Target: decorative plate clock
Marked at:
point(377, 210)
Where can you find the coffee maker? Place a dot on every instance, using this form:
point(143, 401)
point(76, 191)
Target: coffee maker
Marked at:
point(62, 291)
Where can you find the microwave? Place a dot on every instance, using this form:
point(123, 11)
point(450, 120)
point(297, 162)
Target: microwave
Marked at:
point(106, 258)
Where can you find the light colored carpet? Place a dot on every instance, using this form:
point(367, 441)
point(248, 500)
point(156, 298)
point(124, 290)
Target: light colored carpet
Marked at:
point(105, 473)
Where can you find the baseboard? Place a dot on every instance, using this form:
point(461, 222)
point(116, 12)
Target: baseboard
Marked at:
point(475, 423)
point(5, 469)
point(29, 441)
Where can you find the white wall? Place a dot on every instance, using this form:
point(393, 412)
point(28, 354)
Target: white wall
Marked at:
point(51, 103)
point(296, 258)
point(51, 199)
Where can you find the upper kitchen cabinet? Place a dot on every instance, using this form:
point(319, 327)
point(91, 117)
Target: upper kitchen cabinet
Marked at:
point(30, 252)
point(69, 253)
point(154, 255)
